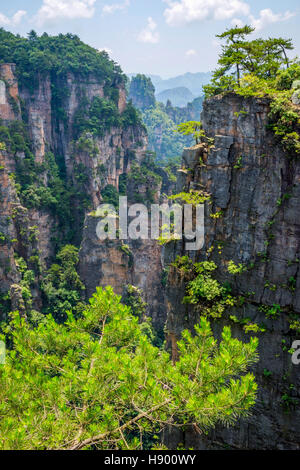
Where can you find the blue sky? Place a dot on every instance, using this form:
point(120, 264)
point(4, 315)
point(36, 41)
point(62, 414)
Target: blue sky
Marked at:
point(163, 37)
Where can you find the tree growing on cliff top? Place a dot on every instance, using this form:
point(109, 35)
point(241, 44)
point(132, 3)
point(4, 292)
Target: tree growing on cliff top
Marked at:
point(263, 58)
point(98, 382)
point(57, 56)
point(233, 53)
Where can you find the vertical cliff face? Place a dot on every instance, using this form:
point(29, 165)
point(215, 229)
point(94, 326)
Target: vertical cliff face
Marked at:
point(10, 204)
point(117, 264)
point(121, 262)
point(51, 128)
point(85, 161)
point(71, 136)
point(65, 159)
point(255, 190)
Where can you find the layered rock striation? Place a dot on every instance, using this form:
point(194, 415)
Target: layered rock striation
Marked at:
point(255, 192)
point(86, 162)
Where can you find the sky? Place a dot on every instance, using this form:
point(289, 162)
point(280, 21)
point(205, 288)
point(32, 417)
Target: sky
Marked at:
point(158, 37)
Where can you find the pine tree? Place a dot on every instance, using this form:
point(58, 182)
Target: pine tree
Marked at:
point(233, 53)
point(98, 382)
point(262, 58)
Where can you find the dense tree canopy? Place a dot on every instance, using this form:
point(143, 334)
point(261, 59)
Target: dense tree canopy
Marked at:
point(97, 381)
point(263, 58)
point(55, 54)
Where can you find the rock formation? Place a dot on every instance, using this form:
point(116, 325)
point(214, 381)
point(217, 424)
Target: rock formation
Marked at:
point(255, 189)
point(255, 192)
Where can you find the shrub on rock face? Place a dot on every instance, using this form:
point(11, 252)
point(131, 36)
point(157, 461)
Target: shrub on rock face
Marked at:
point(296, 94)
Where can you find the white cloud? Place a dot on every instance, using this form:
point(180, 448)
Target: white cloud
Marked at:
point(267, 17)
point(14, 20)
point(191, 53)
point(186, 11)
point(4, 20)
point(106, 49)
point(216, 43)
point(238, 22)
point(149, 34)
point(53, 10)
point(109, 9)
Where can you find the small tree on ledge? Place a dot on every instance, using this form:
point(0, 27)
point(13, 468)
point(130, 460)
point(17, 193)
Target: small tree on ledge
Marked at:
point(195, 129)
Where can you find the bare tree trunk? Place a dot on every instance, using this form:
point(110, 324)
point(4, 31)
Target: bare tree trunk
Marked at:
point(238, 73)
point(286, 58)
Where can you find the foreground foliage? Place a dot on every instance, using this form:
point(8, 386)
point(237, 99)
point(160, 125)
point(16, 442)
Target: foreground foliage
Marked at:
point(98, 381)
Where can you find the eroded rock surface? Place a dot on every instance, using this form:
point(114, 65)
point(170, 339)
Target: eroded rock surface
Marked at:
point(257, 188)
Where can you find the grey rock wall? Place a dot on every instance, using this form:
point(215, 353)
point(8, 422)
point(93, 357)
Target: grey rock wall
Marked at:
point(257, 187)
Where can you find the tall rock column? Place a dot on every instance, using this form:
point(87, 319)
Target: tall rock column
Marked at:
point(252, 220)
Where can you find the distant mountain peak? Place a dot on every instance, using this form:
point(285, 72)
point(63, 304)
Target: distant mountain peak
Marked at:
point(179, 96)
point(192, 81)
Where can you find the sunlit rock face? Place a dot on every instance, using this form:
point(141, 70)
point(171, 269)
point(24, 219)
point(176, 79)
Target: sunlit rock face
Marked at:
point(9, 94)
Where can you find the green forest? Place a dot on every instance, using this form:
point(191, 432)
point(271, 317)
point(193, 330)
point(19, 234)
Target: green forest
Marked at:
point(161, 120)
point(94, 373)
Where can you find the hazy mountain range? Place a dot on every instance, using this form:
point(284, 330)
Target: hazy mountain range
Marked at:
point(179, 96)
point(181, 89)
point(192, 81)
